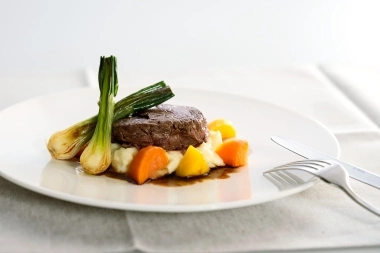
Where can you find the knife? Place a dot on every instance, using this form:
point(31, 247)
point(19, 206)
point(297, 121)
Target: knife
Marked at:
point(354, 172)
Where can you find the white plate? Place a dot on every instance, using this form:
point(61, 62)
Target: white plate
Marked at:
point(24, 160)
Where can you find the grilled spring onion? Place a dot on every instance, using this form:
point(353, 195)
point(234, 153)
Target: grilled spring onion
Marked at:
point(67, 143)
point(96, 157)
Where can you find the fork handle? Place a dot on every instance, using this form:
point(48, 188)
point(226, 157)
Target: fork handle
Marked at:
point(346, 187)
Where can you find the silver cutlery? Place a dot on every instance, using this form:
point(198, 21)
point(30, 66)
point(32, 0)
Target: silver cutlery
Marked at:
point(329, 170)
point(353, 171)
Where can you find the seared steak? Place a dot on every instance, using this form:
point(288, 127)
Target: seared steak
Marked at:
point(171, 127)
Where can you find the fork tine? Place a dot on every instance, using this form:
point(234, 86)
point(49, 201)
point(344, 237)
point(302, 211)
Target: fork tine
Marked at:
point(276, 182)
point(303, 163)
point(294, 177)
point(311, 166)
point(315, 162)
point(281, 180)
point(282, 168)
point(297, 166)
point(308, 162)
point(285, 177)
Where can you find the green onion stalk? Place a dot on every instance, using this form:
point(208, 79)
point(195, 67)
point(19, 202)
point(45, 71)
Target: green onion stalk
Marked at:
point(96, 157)
point(67, 143)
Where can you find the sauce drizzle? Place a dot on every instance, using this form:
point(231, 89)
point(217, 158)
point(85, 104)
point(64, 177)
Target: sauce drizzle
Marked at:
point(174, 181)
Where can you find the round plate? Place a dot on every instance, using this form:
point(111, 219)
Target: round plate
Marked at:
point(24, 159)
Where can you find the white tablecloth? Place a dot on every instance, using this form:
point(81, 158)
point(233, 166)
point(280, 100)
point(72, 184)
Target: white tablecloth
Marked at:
point(322, 217)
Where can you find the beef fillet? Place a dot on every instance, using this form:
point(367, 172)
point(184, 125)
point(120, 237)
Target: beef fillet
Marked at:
point(171, 127)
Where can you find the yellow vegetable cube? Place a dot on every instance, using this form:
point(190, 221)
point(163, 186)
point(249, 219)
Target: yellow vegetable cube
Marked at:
point(225, 127)
point(192, 164)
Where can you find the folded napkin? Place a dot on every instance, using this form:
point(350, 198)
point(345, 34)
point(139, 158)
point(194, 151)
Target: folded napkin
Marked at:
point(360, 84)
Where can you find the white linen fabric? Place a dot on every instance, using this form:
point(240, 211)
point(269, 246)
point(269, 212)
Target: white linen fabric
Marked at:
point(360, 84)
point(321, 217)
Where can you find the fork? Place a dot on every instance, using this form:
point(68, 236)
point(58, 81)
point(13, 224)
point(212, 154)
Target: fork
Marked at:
point(331, 172)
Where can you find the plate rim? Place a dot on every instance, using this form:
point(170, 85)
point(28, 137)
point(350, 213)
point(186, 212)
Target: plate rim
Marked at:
point(157, 208)
point(168, 208)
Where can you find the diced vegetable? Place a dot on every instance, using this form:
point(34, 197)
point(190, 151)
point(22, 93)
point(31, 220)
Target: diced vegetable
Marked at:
point(175, 158)
point(122, 159)
point(234, 152)
point(224, 126)
point(149, 163)
point(212, 159)
point(192, 164)
point(114, 147)
point(215, 139)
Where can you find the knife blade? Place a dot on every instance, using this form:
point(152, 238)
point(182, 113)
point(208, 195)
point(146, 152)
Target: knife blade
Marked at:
point(306, 152)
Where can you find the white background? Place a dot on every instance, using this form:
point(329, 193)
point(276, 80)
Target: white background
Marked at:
point(67, 35)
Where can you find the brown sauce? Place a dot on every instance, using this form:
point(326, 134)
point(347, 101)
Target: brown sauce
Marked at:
point(174, 181)
point(74, 159)
point(114, 175)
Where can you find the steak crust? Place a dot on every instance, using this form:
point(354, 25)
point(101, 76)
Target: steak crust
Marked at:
point(171, 127)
